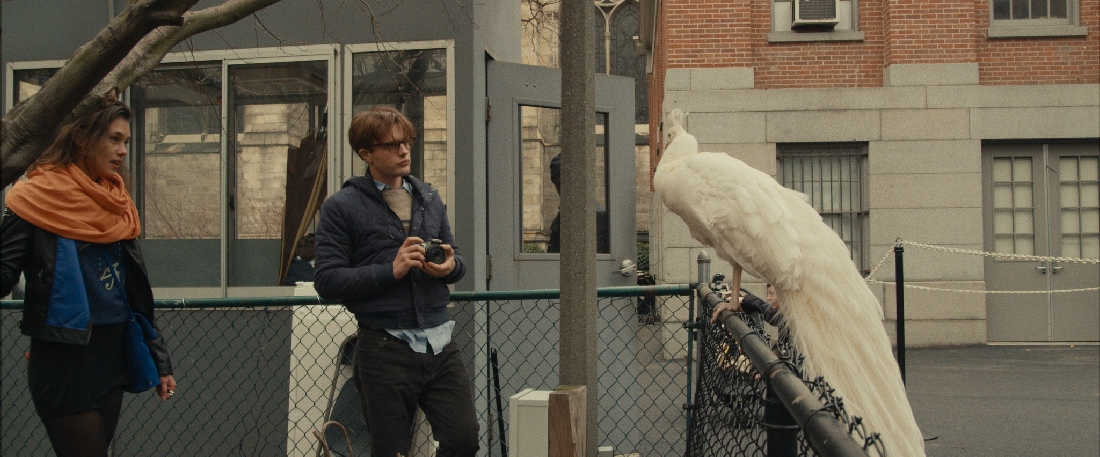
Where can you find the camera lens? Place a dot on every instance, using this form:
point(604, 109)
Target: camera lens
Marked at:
point(435, 254)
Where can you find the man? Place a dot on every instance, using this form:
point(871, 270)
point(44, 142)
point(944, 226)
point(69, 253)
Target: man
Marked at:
point(369, 256)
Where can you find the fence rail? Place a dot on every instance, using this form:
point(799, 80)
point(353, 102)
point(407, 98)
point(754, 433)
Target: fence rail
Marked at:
point(258, 375)
point(753, 398)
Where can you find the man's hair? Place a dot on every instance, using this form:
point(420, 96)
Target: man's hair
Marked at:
point(369, 126)
point(76, 139)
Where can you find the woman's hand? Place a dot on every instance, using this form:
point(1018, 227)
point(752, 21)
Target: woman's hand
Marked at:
point(166, 388)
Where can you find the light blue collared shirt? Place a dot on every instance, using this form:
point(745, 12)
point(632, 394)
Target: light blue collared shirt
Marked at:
point(419, 338)
point(404, 185)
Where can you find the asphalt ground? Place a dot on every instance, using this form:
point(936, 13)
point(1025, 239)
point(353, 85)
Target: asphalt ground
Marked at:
point(1007, 400)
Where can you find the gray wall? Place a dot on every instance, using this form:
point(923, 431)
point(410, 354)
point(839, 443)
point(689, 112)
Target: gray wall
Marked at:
point(924, 135)
point(233, 369)
point(481, 31)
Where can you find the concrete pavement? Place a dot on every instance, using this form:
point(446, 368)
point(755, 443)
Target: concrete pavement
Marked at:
point(1007, 400)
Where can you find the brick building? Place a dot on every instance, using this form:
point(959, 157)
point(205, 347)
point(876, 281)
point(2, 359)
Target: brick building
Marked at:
point(965, 124)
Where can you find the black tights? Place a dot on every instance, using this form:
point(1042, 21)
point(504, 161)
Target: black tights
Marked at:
point(86, 433)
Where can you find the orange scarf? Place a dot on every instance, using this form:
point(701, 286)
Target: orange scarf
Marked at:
point(66, 202)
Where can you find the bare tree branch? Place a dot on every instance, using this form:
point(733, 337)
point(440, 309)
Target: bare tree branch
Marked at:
point(132, 45)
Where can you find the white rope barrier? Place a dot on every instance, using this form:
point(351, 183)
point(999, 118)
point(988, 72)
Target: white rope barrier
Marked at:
point(890, 252)
point(971, 291)
point(998, 254)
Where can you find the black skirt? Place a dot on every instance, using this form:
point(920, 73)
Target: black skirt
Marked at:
point(70, 378)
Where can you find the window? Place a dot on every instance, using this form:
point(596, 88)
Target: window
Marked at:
point(1030, 10)
point(1079, 192)
point(786, 29)
point(415, 82)
point(28, 82)
point(1030, 18)
point(834, 176)
point(622, 18)
point(1013, 207)
point(229, 206)
point(541, 176)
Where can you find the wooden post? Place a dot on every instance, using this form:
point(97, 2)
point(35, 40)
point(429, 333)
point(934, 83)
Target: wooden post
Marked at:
point(566, 413)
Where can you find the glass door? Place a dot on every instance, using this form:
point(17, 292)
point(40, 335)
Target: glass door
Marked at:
point(177, 173)
point(276, 111)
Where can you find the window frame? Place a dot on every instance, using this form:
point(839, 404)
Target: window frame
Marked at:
point(233, 57)
point(1030, 28)
point(346, 157)
point(857, 151)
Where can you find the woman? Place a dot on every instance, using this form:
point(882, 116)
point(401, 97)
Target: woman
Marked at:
point(70, 229)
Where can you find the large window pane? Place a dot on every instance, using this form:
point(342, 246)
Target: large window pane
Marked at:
point(276, 108)
point(540, 171)
point(177, 137)
point(28, 82)
point(415, 83)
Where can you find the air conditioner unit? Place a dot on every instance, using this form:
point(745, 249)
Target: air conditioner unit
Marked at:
point(815, 14)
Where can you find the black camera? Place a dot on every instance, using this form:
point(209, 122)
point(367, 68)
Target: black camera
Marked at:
point(433, 251)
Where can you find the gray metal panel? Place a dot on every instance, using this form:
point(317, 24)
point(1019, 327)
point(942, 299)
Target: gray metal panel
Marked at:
point(208, 423)
point(1014, 317)
point(164, 260)
point(512, 85)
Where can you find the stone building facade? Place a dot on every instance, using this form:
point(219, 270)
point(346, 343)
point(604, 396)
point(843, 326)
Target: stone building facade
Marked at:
point(946, 113)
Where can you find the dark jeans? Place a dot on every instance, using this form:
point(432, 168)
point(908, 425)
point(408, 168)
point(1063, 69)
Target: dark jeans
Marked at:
point(393, 380)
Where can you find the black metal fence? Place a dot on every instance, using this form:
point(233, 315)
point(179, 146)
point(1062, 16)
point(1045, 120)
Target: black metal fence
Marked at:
point(753, 397)
point(258, 376)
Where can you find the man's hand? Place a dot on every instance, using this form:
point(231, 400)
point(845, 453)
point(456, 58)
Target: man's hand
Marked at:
point(409, 255)
point(441, 269)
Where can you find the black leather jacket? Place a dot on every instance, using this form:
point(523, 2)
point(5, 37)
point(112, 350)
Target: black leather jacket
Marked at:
point(27, 249)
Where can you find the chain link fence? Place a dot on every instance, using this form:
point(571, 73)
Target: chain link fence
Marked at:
point(734, 412)
point(258, 376)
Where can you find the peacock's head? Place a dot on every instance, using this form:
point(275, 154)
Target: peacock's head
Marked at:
point(676, 120)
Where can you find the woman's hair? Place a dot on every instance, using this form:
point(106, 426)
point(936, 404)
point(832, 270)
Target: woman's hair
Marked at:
point(74, 139)
point(367, 127)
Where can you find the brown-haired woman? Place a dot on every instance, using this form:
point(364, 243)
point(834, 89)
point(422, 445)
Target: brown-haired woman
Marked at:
point(69, 228)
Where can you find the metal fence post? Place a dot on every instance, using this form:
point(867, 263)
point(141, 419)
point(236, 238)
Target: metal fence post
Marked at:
point(704, 268)
point(899, 284)
point(781, 427)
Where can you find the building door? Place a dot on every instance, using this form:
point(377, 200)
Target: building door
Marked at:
point(523, 141)
point(1042, 200)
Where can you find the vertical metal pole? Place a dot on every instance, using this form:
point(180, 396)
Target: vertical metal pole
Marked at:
point(500, 408)
point(689, 405)
point(703, 260)
point(781, 428)
point(899, 283)
point(578, 363)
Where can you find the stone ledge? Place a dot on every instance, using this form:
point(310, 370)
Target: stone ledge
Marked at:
point(1036, 31)
point(796, 37)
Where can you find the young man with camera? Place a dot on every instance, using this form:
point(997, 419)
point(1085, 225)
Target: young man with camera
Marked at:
point(385, 249)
